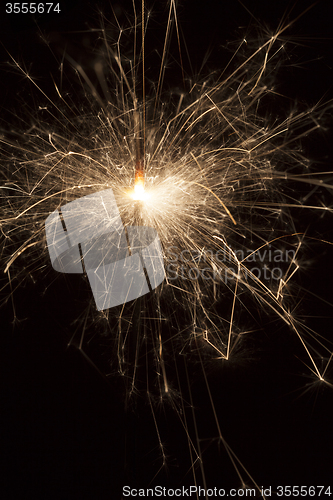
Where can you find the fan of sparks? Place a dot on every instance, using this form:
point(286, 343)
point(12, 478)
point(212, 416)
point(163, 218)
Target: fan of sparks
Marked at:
point(210, 167)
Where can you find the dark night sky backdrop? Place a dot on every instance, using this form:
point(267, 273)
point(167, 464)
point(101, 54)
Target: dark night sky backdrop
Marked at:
point(63, 425)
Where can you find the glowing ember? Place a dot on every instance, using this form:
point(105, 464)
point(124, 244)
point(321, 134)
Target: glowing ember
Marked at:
point(139, 192)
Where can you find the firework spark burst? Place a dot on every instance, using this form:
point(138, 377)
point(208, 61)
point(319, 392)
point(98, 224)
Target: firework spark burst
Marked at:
point(214, 172)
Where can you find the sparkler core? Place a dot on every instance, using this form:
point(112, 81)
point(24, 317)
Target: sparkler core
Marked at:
point(139, 192)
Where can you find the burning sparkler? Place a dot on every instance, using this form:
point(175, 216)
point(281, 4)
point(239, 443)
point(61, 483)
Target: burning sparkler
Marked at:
point(211, 176)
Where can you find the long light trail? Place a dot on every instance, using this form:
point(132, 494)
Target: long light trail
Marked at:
point(211, 173)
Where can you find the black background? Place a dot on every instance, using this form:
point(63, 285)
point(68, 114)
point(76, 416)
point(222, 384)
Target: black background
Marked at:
point(65, 434)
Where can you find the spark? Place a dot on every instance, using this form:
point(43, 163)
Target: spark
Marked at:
point(139, 192)
point(211, 176)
